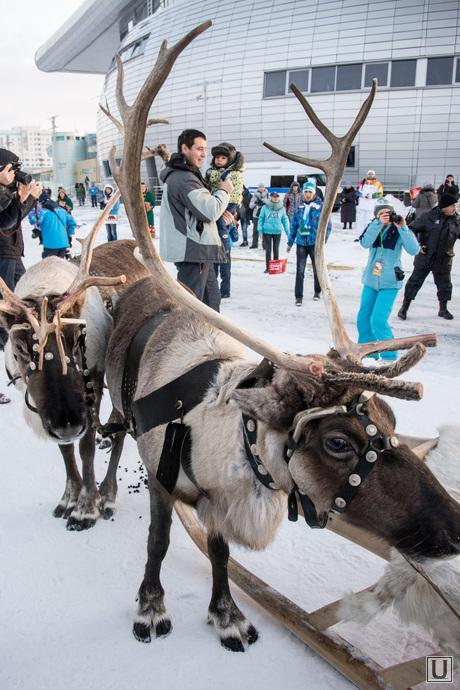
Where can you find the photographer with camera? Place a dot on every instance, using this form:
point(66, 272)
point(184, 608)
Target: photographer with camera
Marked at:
point(385, 237)
point(18, 194)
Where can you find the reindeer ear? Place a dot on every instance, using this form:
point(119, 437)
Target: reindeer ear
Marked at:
point(266, 405)
point(7, 319)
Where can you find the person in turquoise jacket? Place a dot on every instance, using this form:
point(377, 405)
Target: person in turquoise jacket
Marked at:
point(272, 220)
point(56, 228)
point(383, 276)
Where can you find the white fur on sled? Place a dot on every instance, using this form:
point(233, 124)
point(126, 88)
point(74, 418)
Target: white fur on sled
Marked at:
point(401, 587)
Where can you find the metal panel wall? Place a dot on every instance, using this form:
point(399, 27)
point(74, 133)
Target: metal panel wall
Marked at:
point(412, 134)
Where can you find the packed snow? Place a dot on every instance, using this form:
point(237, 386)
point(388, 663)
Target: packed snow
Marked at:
point(67, 599)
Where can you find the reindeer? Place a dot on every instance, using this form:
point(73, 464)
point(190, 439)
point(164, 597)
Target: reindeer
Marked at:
point(237, 440)
point(59, 327)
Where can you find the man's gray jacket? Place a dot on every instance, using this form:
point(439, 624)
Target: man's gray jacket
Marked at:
point(188, 230)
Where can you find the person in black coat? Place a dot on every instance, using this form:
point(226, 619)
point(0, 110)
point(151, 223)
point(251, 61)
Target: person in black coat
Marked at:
point(16, 200)
point(245, 216)
point(447, 187)
point(348, 199)
point(437, 232)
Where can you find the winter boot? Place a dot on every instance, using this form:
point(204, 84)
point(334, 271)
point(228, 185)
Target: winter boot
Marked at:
point(402, 313)
point(443, 311)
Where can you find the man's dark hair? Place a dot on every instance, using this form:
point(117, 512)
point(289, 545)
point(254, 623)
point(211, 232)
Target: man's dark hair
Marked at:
point(187, 137)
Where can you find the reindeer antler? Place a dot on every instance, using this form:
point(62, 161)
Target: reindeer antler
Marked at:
point(127, 175)
point(334, 167)
point(83, 280)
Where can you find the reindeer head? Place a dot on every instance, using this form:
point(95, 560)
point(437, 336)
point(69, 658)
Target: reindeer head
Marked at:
point(48, 344)
point(396, 499)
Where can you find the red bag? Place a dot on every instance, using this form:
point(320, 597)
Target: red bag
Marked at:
point(276, 266)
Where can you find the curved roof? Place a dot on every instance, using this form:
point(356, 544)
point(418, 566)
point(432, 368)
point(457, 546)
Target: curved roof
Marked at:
point(86, 42)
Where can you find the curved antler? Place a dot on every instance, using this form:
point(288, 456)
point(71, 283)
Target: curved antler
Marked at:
point(333, 167)
point(83, 280)
point(127, 176)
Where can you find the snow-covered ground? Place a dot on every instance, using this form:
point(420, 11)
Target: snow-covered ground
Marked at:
point(67, 598)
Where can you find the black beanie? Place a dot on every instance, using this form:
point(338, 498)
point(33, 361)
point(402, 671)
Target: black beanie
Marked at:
point(7, 157)
point(220, 150)
point(447, 200)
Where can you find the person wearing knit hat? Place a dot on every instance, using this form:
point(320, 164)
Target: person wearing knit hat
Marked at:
point(382, 278)
point(369, 190)
point(304, 227)
point(16, 200)
point(437, 232)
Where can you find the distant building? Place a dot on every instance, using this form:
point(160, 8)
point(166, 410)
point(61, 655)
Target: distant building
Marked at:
point(233, 81)
point(31, 144)
point(69, 149)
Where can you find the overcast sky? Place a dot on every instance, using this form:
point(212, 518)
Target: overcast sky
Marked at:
point(28, 96)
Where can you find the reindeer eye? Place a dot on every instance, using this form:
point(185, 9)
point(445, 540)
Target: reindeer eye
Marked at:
point(338, 446)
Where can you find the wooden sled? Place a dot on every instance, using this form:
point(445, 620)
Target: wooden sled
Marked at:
point(313, 628)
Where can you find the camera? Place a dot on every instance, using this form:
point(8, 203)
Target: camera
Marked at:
point(19, 175)
point(395, 218)
point(399, 273)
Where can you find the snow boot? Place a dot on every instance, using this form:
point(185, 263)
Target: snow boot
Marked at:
point(443, 311)
point(402, 313)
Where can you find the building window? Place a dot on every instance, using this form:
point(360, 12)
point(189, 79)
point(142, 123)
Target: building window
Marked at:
point(457, 72)
point(351, 158)
point(322, 79)
point(403, 73)
point(439, 71)
point(349, 77)
point(107, 169)
point(274, 84)
point(299, 77)
point(59, 138)
point(376, 70)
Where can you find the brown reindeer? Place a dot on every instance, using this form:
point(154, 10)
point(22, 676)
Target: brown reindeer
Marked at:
point(238, 440)
point(59, 328)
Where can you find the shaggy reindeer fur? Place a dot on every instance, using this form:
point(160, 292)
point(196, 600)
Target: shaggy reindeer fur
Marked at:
point(410, 595)
point(82, 503)
point(230, 501)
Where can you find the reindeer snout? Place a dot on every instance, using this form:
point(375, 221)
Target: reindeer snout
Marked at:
point(68, 433)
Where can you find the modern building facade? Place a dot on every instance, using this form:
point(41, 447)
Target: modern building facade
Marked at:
point(233, 81)
point(31, 144)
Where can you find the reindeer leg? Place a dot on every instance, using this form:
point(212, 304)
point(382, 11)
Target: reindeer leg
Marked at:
point(72, 485)
point(151, 611)
point(231, 625)
point(108, 487)
point(86, 511)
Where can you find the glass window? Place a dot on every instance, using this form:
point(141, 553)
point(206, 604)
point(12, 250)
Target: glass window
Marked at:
point(457, 73)
point(107, 170)
point(281, 181)
point(322, 79)
point(439, 70)
point(349, 77)
point(300, 78)
point(59, 137)
point(139, 47)
point(275, 84)
point(351, 158)
point(403, 72)
point(377, 70)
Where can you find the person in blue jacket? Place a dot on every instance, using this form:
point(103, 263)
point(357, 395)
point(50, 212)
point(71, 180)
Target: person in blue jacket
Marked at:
point(272, 220)
point(304, 227)
point(56, 227)
point(383, 276)
point(93, 190)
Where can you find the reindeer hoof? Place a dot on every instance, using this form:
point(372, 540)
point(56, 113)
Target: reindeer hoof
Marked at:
point(59, 511)
point(141, 632)
point(252, 634)
point(75, 525)
point(163, 627)
point(233, 644)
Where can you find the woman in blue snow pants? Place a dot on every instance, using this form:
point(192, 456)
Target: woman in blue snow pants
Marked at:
point(383, 275)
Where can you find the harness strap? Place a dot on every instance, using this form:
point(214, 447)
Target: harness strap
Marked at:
point(174, 399)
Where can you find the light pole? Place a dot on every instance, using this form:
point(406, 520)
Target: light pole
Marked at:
point(53, 143)
point(204, 97)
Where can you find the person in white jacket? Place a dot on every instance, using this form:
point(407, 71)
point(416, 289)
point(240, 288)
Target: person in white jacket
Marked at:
point(369, 191)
